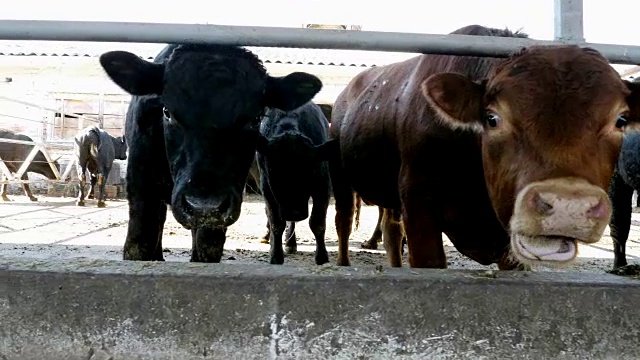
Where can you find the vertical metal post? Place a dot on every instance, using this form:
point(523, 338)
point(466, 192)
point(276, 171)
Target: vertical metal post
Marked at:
point(569, 21)
point(101, 109)
point(62, 124)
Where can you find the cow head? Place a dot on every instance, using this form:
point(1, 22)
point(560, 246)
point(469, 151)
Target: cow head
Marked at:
point(290, 164)
point(120, 147)
point(551, 121)
point(213, 99)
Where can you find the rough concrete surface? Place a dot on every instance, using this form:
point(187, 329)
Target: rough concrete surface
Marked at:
point(54, 228)
point(100, 309)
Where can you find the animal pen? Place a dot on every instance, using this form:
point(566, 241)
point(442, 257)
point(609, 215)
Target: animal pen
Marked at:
point(102, 309)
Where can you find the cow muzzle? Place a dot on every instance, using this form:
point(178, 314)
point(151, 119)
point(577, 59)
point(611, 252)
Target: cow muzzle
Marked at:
point(552, 217)
point(209, 212)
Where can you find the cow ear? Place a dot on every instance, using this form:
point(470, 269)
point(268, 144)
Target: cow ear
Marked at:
point(457, 99)
point(132, 74)
point(263, 145)
point(292, 91)
point(326, 150)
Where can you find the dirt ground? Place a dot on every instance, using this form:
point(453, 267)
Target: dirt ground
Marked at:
point(54, 228)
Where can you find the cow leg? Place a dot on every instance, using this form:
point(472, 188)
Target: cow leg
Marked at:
point(3, 191)
point(162, 217)
point(5, 187)
point(638, 199)
point(207, 244)
point(376, 237)
point(621, 196)
point(392, 234)
point(420, 217)
point(290, 245)
point(144, 232)
point(266, 237)
point(82, 169)
point(92, 186)
point(424, 238)
point(277, 229)
point(27, 190)
point(318, 225)
point(344, 197)
point(101, 184)
point(276, 223)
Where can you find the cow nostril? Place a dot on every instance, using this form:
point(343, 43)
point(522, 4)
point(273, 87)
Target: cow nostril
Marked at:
point(539, 205)
point(599, 211)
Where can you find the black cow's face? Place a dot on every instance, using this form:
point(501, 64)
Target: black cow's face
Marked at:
point(120, 147)
point(291, 163)
point(213, 98)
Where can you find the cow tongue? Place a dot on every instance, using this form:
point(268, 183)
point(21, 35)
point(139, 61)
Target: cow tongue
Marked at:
point(547, 248)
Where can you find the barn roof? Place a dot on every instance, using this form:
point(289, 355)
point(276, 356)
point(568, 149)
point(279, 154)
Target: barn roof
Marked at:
point(269, 55)
point(148, 51)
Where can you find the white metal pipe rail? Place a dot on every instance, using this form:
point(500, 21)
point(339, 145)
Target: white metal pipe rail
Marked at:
point(288, 37)
point(26, 103)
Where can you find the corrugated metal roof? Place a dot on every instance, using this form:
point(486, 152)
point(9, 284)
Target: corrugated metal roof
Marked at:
point(326, 57)
point(149, 51)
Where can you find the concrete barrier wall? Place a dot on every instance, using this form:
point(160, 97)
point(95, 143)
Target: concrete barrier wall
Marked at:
point(119, 310)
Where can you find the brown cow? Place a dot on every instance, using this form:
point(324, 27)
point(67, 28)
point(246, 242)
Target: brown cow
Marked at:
point(519, 157)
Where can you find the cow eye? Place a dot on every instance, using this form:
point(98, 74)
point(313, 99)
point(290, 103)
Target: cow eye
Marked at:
point(492, 119)
point(621, 122)
point(166, 113)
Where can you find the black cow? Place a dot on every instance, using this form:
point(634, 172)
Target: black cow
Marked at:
point(292, 155)
point(626, 179)
point(95, 150)
point(192, 128)
point(13, 156)
point(253, 180)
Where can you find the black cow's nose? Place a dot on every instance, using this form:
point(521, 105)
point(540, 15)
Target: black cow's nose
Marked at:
point(205, 206)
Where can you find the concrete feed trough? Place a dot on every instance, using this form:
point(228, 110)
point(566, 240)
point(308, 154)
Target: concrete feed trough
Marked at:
point(98, 309)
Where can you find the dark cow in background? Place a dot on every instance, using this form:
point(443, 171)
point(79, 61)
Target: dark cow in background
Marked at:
point(253, 180)
point(290, 235)
point(13, 156)
point(292, 153)
point(510, 158)
point(192, 128)
point(95, 150)
point(625, 180)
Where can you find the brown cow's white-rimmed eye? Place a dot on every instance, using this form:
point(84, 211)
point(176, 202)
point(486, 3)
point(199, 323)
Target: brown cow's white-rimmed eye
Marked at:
point(492, 119)
point(621, 121)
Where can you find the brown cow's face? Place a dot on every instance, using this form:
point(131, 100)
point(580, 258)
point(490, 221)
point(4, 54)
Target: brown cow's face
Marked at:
point(551, 121)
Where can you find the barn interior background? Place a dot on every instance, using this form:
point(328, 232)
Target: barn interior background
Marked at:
point(50, 90)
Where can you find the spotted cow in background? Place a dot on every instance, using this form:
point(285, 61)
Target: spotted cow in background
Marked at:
point(95, 150)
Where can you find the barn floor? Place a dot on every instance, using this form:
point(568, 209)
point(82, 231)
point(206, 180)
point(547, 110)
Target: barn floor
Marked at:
point(54, 228)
